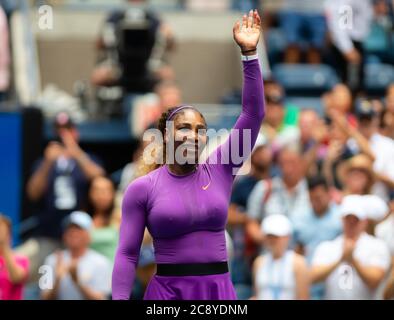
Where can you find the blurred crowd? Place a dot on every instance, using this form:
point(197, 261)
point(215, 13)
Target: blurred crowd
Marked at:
point(313, 218)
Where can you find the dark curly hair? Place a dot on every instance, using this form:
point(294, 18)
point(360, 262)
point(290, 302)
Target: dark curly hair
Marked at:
point(160, 152)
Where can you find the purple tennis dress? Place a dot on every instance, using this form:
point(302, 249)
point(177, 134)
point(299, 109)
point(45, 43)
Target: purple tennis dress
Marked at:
point(186, 215)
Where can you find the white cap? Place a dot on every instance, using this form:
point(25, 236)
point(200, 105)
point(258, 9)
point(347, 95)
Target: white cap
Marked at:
point(276, 225)
point(375, 207)
point(80, 219)
point(353, 205)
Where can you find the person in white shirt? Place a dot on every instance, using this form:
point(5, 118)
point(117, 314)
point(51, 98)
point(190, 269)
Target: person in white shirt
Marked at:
point(287, 195)
point(381, 147)
point(279, 274)
point(377, 210)
point(385, 229)
point(78, 273)
point(353, 265)
point(349, 23)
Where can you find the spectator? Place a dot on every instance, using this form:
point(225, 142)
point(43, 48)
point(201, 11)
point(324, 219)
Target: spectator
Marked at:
point(280, 274)
point(376, 209)
point(321, 223)
point(104, 234)
point(357, 175)
point(353, 265)
point(59, 185)
point(287, 195)
point(385, 229)
point(389, 100)
point(79, 272)
point(347, 36)
point(303, 24)
point(132, 56)
point(382, 148)
point(244, 249)
point(14, 269)
point(280, 124)
point(387, 118)
point(148, 108)
point(313, 138)
point(309, 120)
point(340, 98)
point(131, 170)
point(389, 289)
point(169, 96)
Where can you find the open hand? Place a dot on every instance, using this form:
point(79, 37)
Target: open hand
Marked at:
point(247, 36)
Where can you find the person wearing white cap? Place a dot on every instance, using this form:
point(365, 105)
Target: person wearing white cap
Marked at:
point(376, 210)
point(353, 265)
point(279, 274)
point(76, 273)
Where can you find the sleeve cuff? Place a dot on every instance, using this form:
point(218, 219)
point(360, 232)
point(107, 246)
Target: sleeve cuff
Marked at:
point(248, 58)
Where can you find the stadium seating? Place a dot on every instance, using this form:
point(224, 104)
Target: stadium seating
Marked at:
point(305, 80)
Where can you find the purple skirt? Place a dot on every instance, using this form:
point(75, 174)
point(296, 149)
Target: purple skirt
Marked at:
point(210, 287)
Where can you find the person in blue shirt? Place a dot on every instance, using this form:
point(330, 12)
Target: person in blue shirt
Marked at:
point(261, 160)
point(321, 223)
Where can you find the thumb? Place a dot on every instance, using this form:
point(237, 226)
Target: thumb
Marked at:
point(236, 28)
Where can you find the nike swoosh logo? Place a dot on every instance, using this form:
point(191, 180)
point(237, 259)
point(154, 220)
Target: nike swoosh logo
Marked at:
point(207, 186)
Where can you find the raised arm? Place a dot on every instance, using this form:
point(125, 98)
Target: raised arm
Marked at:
point(130, 238)
point(246, 36)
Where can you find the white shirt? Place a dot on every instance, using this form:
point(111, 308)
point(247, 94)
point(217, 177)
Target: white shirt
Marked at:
point(275, 279)
point(348, 20)
point(344, 283)
point(94, 271)
point(280, 200)
point(385, 231)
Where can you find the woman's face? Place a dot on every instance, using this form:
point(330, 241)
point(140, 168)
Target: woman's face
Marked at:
point(356, 181)
point(186, 137)
point(276, 245)
point(102, 194)
point(341, 98)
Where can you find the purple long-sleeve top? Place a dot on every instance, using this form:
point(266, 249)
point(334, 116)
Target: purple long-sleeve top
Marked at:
point(186, 215)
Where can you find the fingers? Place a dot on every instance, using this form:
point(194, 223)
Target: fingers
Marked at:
point(257, 20)
point(244, 21)
point(237, 27)
point(250, 19)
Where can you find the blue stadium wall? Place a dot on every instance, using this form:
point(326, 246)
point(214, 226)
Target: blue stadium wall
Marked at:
point(10, 167)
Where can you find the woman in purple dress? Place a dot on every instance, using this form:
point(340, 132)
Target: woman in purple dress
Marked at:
point(184, 206)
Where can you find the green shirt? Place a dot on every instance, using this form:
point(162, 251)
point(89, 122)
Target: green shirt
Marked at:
point(105, 241)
